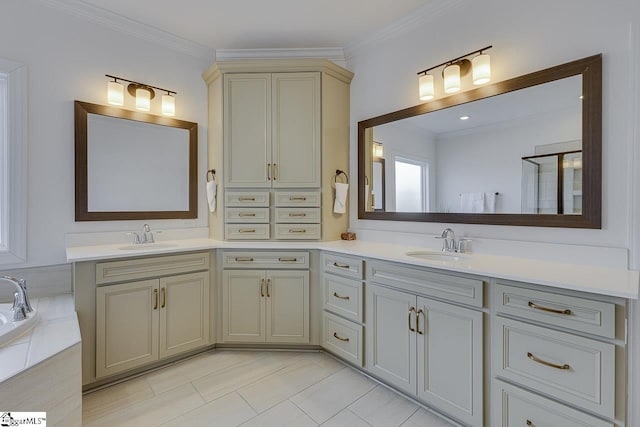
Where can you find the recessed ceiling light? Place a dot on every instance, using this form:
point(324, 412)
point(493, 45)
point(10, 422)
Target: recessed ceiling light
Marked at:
point(464, 118)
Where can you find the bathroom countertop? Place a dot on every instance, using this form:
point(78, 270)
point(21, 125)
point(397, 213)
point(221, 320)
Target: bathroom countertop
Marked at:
point(585, 278)
point(56, 331)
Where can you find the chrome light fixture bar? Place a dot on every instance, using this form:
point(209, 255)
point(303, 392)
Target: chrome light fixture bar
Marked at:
point(453, 70)
point(143, 94)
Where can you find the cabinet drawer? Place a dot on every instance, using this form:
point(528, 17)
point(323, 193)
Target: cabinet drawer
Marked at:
point(246, 231)
point(245, 198)
point(578, 370)
point(342, 265)
point(253, 260)
point(455, 288)
point(342, 338)
point(343, 296)
point(297, 231)
point(298, 215)
point(246, 215)
point(518, 408)
point(594, 317)
point(143, 268)
point(297, 198)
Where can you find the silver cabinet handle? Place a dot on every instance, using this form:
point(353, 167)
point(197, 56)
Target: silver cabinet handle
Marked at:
point(269, 171)
point(268, 288)
point(336, 336)
point(411, 309)
point(274, 171)
point(245, 214)
point(549, 364)
point(550, 310)
point(164, 298)
point(418, 313)
point(155, 299)
point(335, 294)
point(287, 259)
point(297, 230)
point(262, 288)
point(247, 230)
point(247, 199)
point(335, 264)
point(295, 214)
point(292, 198)
point(238, 259)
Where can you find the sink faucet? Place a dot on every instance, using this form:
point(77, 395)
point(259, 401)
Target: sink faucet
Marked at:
point(449, 243)
point(21, 304)
point(145, 237)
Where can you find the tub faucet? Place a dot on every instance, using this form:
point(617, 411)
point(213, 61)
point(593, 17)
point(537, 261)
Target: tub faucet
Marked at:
point(21, 304)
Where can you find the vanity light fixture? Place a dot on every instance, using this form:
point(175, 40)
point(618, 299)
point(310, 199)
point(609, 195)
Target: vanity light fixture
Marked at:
point(143, 94)
point(455, 69)
point(378, 151)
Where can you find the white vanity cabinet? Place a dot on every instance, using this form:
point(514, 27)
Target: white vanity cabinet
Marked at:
point(428, 348)
point(272, 130)
point(265, 305)
point(142, 321)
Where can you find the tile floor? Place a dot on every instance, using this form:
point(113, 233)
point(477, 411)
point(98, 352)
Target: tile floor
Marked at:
point(231, 388)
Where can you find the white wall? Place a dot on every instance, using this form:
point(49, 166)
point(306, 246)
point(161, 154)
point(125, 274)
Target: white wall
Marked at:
point(527, 36)
point(67, 58)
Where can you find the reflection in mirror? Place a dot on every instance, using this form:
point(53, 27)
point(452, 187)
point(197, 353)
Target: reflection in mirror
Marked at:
point(131, 165)
point(517, 151)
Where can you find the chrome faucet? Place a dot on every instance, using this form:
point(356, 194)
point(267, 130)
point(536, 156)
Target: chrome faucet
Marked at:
point(147, 235)
point(449, 243)
point(21, 303)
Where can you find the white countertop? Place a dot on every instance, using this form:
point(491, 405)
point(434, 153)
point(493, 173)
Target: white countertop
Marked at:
point(586, 278)
point(56, 331)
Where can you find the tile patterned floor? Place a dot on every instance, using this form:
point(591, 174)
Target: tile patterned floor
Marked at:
point(232, 388)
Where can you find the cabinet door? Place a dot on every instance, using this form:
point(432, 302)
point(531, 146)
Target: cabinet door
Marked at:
point(296, 129)
point(184, 313)
point(247, 130)
point(450, 359)
point(288, 306)
point(391, 344)
point(243, 306)
point(126, 326)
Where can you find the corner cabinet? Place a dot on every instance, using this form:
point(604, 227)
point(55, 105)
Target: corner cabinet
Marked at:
point(280, 127)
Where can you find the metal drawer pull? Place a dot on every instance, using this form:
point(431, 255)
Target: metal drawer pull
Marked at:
point(244, 259)
point(550, 310)
point(247, 199)
point(262, 288)
point(335, 264)
point(530, 424)
point(244, 214)
point(335, 335)
point(297, 198)
point(274, 171)
point(247, 230)
point(418, 313)
point(297, 214)
point(155, 299)
point(287, 259)
point(549, 364)
point(410, 310)
point(268, 286)
point(297, 230)
point(269, 171)
point(335, 294)
point(164, 298)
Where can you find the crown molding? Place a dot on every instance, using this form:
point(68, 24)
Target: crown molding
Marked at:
point(335, 54)
point(428, 13)
point(131, 27)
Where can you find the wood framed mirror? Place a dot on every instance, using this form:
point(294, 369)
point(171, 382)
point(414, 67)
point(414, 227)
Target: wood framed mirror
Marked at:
point(525, 151)
point(133, 166)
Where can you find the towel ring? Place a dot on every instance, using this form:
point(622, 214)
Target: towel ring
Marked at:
point(211, 173)
point(338, 173)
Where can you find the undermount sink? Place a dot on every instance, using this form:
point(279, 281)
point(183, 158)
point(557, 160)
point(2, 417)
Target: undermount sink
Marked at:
point(438, 256)
point(146, 246)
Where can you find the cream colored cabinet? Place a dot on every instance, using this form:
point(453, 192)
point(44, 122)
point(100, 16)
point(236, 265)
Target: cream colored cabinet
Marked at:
point(427, 348)
point(265, 306)
point(272, 130)
point(141, 322)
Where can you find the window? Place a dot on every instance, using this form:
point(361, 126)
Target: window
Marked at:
point(13, 183)
point(412, 183)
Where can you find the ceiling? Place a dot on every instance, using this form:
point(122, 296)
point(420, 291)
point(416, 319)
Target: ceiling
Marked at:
point(258, 24)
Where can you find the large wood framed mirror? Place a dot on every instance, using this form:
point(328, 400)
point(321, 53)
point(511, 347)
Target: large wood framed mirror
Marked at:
point(131, 165)
point(525, 151)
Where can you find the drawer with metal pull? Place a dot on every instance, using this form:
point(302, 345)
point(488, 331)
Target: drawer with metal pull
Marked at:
point(298, 215)
point(246, 231)
point(577, 370)
point(246, 198)
point(580, 314)
point(297, 231)
point(246, 215)
point(342, 265)
point(265, 259)
point(297, 198)
point(342, 338)
point(342, 296)
point(518, 408)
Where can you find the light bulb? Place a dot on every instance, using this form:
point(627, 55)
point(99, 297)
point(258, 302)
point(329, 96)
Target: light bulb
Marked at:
point(425, 85)
point(481, 69)
point(452, 78)
point(115, 93)
point(143, 99)
point(168, 105)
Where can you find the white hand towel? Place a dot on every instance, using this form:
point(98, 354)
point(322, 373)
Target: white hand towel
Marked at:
point(490, 202)
point(341, 198)
point(212, 189)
